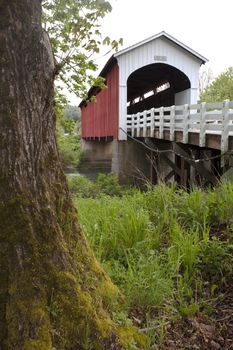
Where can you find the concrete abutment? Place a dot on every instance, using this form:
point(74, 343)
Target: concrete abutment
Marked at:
point(151, 160)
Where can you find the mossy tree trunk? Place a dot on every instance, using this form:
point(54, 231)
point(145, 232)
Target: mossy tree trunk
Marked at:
point(53, 293)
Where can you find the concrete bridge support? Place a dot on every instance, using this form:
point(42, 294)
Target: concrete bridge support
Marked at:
point(96, 157)
point(153, 160)
point(131, 162)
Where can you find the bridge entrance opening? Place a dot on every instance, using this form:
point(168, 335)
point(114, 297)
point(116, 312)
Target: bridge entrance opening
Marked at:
point(156, 85)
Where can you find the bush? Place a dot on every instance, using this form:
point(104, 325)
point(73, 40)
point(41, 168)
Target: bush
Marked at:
point(108, 184)
point(104, 185)
point(69, 149)
point(68, 139)
point(82, 187)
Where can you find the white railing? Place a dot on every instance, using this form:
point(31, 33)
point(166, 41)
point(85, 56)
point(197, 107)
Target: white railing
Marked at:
point(205, 118)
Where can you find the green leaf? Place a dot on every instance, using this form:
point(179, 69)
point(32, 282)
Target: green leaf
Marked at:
point(74, 30)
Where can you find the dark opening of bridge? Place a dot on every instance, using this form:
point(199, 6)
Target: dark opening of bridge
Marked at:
point(154, 85)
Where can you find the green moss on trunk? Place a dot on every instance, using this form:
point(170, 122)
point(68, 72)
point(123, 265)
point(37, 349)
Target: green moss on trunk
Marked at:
point(58, 295)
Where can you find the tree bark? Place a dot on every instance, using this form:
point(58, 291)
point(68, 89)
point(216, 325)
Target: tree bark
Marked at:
point(53, 293)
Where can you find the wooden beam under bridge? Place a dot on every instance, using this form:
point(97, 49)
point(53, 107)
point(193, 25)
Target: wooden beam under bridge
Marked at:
point(163, 155)
point(184, 152)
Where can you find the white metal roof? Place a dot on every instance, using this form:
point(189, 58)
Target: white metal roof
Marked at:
point(169, 37)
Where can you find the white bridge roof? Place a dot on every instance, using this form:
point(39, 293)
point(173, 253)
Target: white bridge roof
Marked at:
point(167, 36)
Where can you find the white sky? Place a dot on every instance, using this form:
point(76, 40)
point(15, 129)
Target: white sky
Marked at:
point(206, 26)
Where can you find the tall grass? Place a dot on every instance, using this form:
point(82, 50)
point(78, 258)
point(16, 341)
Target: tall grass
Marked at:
point(164, 247)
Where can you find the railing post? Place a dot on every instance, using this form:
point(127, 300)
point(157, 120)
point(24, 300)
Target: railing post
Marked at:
point(225, 124)
point(202, 134)
point(172, 123)
point(132, 124)
point(138, 124)
point(186, 124)
point(161, 122)
point(152, 127)
point(144, 123)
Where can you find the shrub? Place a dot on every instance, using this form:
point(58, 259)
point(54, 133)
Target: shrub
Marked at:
point(69, 149)
point(109, 184)
point(82, 187)
point(104, 185)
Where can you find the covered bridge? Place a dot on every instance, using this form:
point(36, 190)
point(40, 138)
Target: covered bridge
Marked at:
point(159, 71)
point(151, 98)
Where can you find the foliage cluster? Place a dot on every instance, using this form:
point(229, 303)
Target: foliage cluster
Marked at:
point(72, 112)
point(167, 250)
point(104, 185)
point(74, 31)
point(68, 137)
point(69, 149)
point(220, 89)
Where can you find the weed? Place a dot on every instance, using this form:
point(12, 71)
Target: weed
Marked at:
point(54, 308)
point(221, 204)
point(188, 310)
point(161, 248)
point(215, 261)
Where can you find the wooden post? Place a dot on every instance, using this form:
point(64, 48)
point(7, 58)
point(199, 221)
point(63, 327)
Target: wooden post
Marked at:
point(132, 125)
point(144, 123)
point(186, 124)
point(225, 124)
point(161, 122)
point(172, 123)
point(183, 170)
point(202, 136)
point(138, 124)
point(152, 128)
point(199, 166)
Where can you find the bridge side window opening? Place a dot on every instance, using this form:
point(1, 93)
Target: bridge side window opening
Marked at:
point(158, 89)
point(155, 85)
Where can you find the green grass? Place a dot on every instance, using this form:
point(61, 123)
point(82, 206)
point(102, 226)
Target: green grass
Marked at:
point(166, 249)
point(104, 185)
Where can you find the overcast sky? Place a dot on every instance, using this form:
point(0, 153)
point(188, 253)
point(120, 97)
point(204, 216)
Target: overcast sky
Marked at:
point(206, 26)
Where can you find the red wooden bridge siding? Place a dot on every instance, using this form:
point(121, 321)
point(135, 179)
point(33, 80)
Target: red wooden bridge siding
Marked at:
point(100, 118)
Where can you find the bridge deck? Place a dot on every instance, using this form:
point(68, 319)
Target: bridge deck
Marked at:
point(204, 125)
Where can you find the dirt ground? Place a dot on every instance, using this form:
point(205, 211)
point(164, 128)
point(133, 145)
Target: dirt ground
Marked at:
point(200, 333)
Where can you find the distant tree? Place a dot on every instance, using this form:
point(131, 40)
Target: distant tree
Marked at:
point(220, 89)
point(72, 112)
point(68, 138)
point(205, 78)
